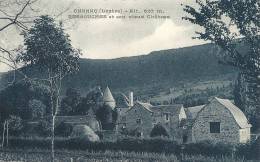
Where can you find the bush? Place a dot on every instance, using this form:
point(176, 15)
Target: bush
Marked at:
point(155, 145)
point(63, 129)
point(43, 128)
point(159, 131)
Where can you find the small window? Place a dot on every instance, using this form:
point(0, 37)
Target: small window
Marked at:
point(166, 116)
point(139, 134)
point(214, 127)
point(123, 118)
point(138, 121)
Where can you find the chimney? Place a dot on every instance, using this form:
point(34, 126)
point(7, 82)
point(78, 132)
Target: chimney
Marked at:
point(131, 99)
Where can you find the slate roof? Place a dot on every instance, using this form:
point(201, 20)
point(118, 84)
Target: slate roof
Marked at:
point(147, 106)
point(193, 111)
point(108, 97)
point(173, 109)
point(122, 101)
point(238, 115)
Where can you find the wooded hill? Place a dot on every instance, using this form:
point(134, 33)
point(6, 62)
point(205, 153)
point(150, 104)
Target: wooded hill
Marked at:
point(155, 72)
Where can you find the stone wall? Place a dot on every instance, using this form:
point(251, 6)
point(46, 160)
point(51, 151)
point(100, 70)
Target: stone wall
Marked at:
point(146, 124)
point(215, 112)
point(150, 119)
point(244, 135)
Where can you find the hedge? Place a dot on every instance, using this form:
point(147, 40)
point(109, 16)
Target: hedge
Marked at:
point(157, 145)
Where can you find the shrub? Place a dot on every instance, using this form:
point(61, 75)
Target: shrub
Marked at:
point(159, 130)
point(43, 128)
point(63, 129)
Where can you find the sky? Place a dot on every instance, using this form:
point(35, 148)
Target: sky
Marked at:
point(113, 38)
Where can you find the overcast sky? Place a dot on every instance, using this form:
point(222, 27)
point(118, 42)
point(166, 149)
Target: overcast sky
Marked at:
point(105, 39)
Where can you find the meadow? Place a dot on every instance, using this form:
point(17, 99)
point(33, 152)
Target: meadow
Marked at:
point(107, 156)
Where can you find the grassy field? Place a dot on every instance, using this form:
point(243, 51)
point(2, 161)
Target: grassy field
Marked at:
point(107, 156)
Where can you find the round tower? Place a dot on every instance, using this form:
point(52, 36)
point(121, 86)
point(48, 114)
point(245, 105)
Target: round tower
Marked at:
point(108, 99)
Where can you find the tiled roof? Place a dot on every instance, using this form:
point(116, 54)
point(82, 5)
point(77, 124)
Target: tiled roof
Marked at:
point(238, 115)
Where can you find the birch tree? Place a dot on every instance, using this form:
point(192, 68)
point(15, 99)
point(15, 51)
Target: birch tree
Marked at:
point(48, 49)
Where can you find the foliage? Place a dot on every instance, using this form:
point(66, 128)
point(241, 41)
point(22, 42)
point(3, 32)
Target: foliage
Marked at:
point(223, 22)
point(16, 97)
point(48, 47)
point(63, 129)
point(70, 103)
point(159, 131)
point(15, 124)
point(107, 117)
point(43, 127)
point(154, 145)
point(37, 109)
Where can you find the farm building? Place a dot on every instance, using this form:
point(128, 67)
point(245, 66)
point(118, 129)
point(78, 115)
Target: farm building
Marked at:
point(220, 121)
point(141, 118)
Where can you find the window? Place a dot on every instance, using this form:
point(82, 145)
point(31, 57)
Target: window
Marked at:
point(123, 118)
point(138, 121)
point(139, 134)
point(167, 117)
point(214, 127)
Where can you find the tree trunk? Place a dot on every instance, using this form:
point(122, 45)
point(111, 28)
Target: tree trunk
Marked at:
point(3, 139)
point(7, 133)
point(52, 138)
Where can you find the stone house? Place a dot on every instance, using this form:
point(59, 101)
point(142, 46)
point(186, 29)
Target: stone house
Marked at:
point(142, 117)
point(220, 121)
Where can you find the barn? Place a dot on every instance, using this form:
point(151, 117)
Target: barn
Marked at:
point(221, 121)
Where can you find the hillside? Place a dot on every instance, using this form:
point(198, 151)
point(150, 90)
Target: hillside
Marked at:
point(153, 73)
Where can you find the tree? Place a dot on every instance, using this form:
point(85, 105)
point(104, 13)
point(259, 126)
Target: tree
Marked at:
point(10, 19)
point(12, 124)
point(159, 131)
point(70, 102)
point(48, 49)
point(37, 109)
point(231, 24)
point(105, 115)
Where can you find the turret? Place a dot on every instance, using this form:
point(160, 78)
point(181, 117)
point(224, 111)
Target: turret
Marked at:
point(108, 99)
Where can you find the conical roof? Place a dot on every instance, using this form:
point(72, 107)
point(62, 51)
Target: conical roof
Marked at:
point(108, 97)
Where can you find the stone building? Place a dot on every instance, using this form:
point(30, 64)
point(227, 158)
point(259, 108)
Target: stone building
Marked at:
point(220, 121)
point(108, 99)
point(142, 117)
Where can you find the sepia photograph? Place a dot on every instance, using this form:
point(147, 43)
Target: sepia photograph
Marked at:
point(129, 80)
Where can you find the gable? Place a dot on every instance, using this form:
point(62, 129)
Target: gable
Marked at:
point(215, 105)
